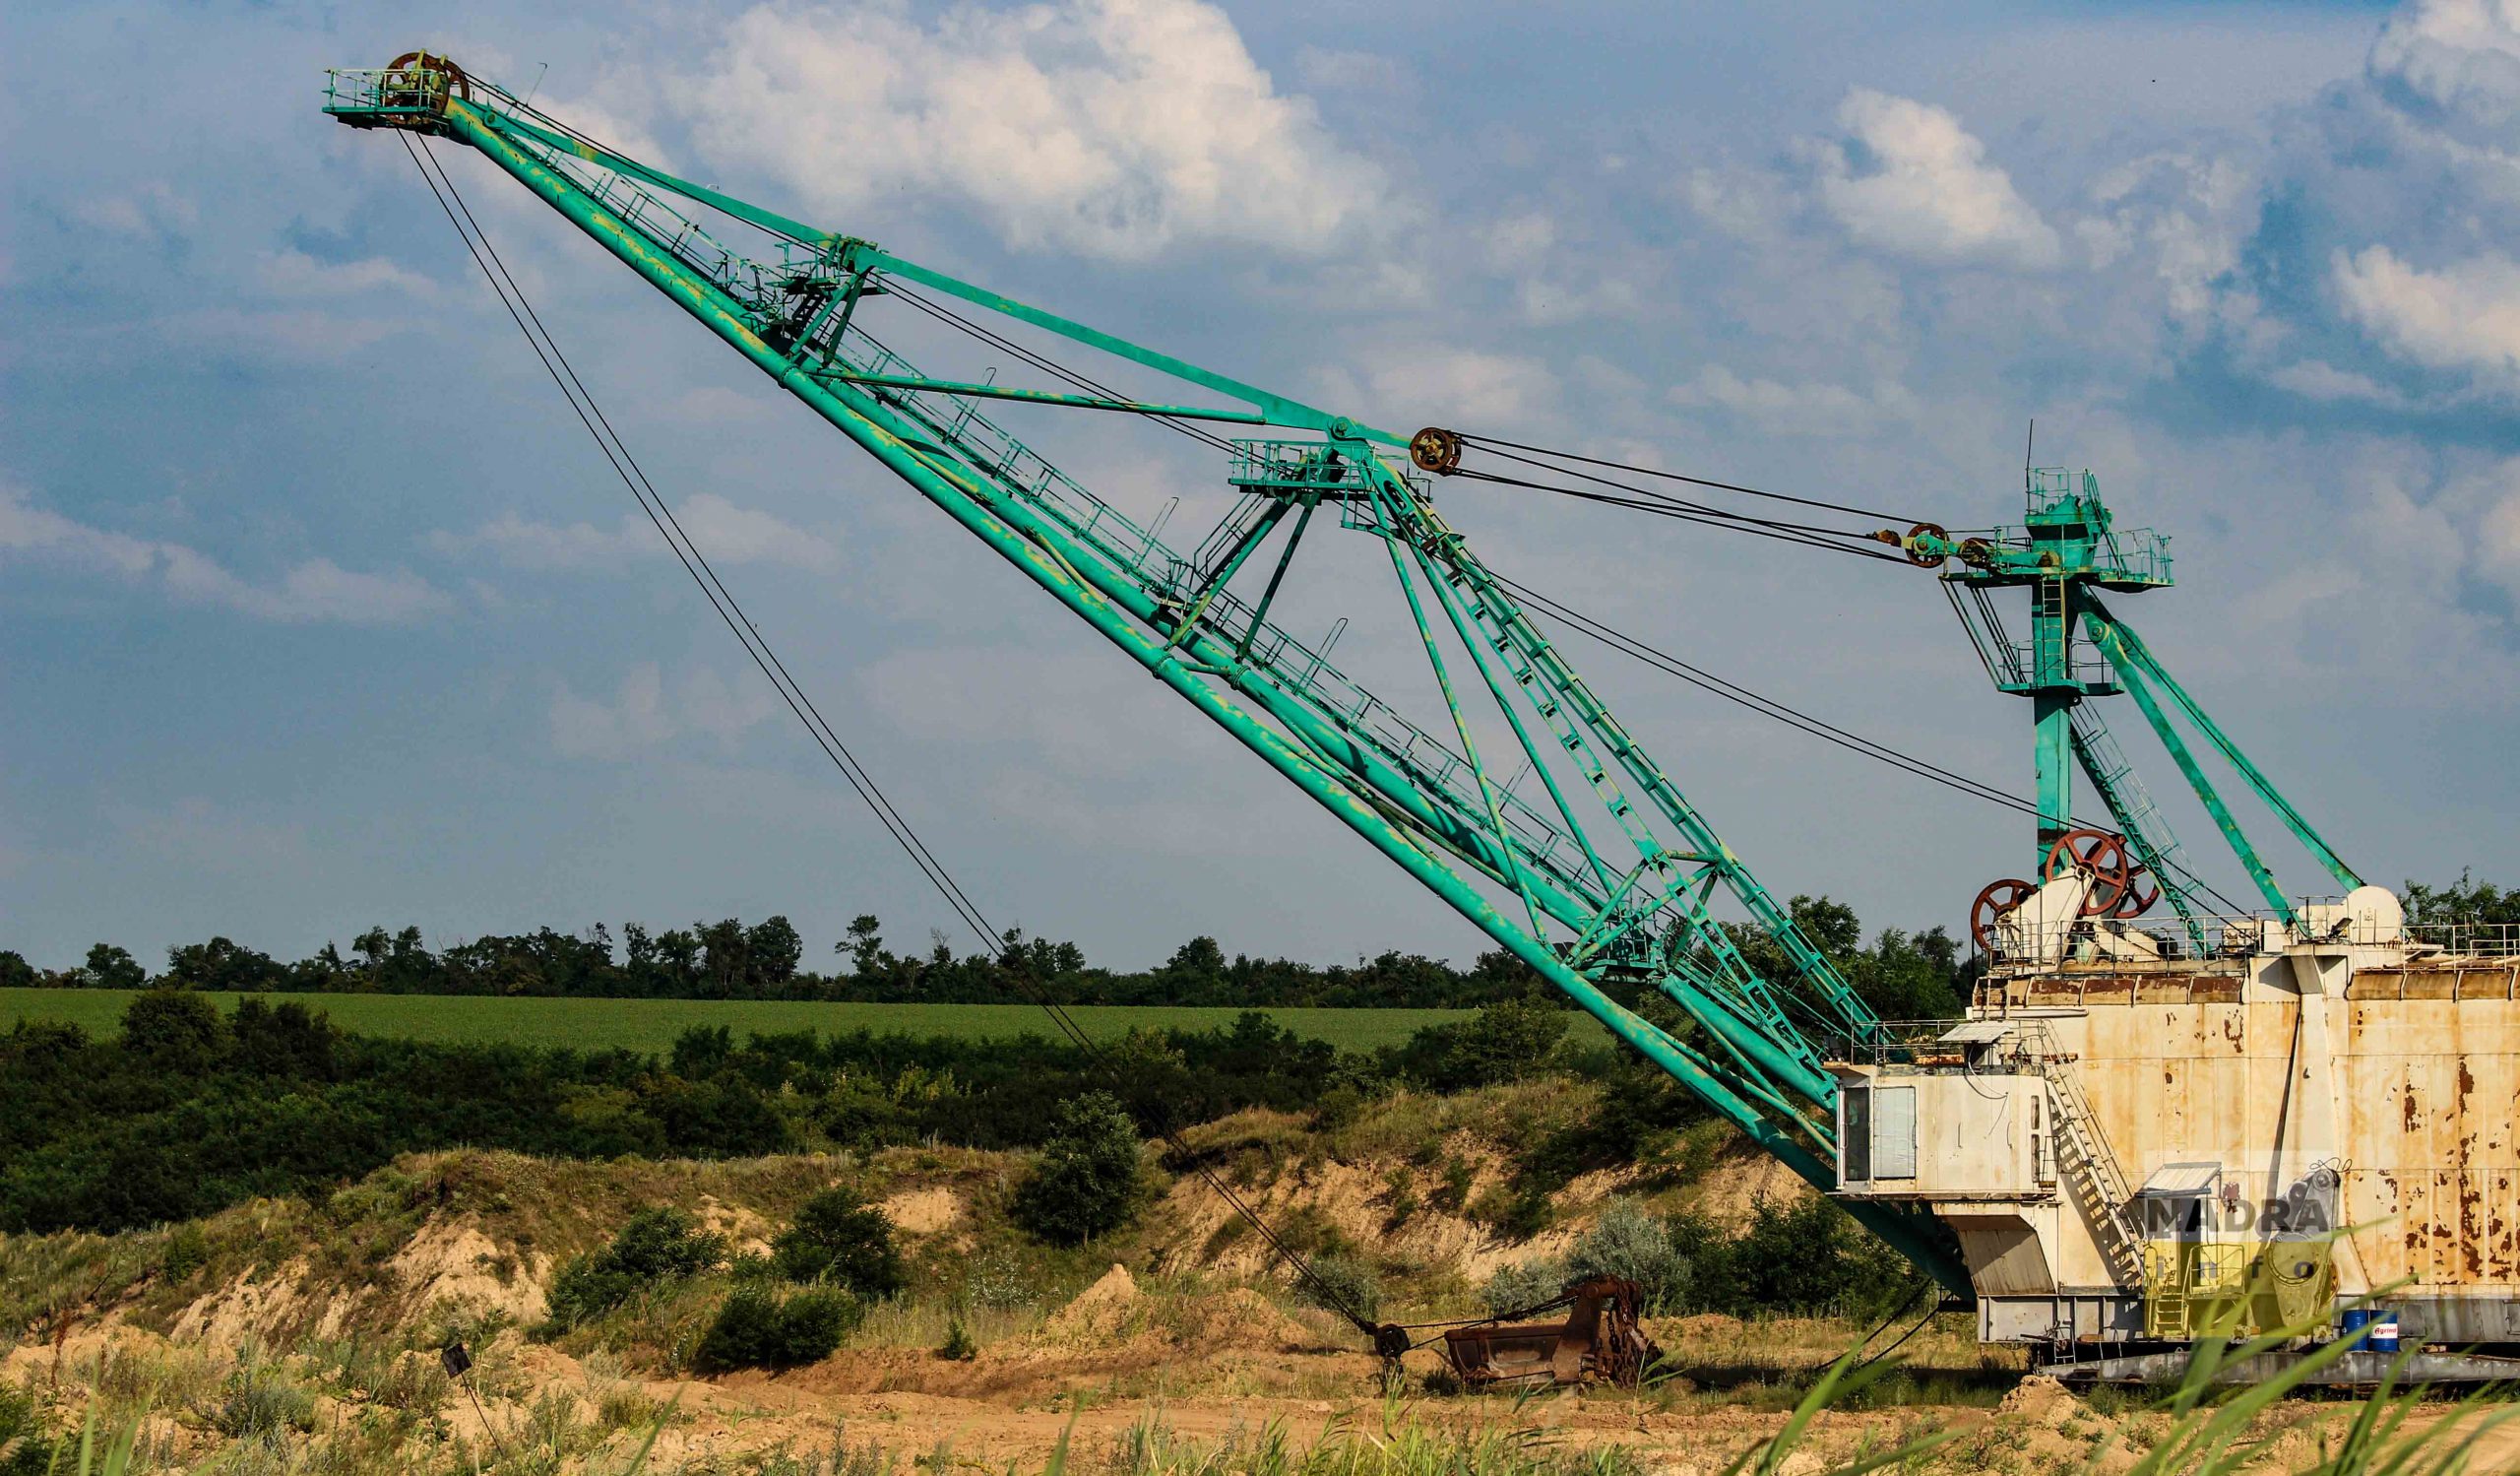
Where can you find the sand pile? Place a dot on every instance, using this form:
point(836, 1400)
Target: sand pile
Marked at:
point(1110, 1310)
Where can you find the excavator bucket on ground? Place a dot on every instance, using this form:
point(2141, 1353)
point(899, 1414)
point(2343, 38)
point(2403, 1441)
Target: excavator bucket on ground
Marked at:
point(1601, 1341)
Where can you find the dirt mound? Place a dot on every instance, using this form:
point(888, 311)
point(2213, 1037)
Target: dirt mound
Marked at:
point(924, 1211)
point(1238, 1317)
point(1109, 1310)
point(2039, 1397)
point(254, 1308)
point(1741, 1179)
point(457, 1265)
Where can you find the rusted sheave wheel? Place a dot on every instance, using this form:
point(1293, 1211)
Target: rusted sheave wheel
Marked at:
point(1919, 556)
point(1998, 898)
point(409, 83)
point(1436, 450)
point(2102, 854)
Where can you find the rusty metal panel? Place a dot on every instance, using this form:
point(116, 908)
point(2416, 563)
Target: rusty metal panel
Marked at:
point(2431, 984)
point(2485, 984)
point(2376, 984)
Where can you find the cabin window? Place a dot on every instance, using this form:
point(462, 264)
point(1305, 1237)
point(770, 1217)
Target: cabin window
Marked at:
point(1854, 1134)
point(1894, 1133)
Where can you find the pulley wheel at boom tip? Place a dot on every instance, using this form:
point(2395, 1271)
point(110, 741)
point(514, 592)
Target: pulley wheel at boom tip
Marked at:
point(457, 82)
point(1436, 450)
point(1920, 560)
point(2104, 855)
point(1996, 899)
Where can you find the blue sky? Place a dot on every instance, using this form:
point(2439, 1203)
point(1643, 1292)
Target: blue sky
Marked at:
point(319, 612)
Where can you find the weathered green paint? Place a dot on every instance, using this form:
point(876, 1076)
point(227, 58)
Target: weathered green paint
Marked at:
point(2293, 820)
point(2067, 550)
point(2113, 643)
point(1329, 737)
point(1049, 397)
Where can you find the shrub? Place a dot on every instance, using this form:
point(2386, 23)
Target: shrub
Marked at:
point(959, 1346)
point(1631, 1244)
point(1521, 1284)
point(1515, 1212)
point(187, 1251)
point(24, 1448)
point(1806, 1256)
point(171, 1029)
point(259, 1401)
point(1087, 1181)
point(1344, 1284)
point(839, 1237)
point(653, 1246)
point(759, 1328)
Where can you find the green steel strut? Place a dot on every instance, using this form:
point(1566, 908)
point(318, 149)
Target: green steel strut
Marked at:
point(801, 312)
point(2067, 550)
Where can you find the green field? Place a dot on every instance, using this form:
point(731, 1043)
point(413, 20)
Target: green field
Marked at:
point(651, 1025)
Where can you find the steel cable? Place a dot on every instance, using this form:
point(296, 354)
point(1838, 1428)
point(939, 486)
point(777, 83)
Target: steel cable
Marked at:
point(1492, 444)
point(747, 633)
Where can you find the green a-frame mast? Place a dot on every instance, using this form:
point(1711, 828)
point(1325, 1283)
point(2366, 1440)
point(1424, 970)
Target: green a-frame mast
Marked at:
point(2067, 550)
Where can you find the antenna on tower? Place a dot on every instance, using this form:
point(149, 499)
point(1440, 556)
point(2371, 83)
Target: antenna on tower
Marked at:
point(2028, 449)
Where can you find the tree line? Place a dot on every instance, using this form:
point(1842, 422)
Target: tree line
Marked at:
point(1913, 972)
point(189, 1108)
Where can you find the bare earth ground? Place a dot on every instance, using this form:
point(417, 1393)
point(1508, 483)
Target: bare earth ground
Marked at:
point(1192, 1347)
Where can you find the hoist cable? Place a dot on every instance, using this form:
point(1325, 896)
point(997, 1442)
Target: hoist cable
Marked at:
point(1648, 501)
point(1492, 444)
point(1733, 693)
point(1041, 361)
point(1927, 769)
point(1641, 499)
point(668, 526)
point(1686, 513)
point(633, 476)
point(1687, 505)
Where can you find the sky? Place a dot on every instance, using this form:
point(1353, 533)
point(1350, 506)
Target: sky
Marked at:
point(317, 611)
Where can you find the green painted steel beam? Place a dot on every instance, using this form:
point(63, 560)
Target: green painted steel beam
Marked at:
point(1399, 807)
point(857, 254)
point(2293, 820)
point(975, 391)
point(2109, 636)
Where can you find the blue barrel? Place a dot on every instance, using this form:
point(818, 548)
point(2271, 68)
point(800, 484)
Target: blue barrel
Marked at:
point(2383, 1324)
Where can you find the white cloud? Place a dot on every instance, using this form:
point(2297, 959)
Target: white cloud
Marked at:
point(1805, 409)
point(2498, 548)
point(1117, 128)
point(295, 273)
point(719, 529)
point(1444, 386)
point(1916, 183)
point(2316, 379)
point(644, 714)
point(315, 589)
point(2462, 57)
point(1520, 241)
point(153, 209)
point(2466, 315)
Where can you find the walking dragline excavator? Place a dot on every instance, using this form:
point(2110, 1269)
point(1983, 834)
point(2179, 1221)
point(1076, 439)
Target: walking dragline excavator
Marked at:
point(1589, 863)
